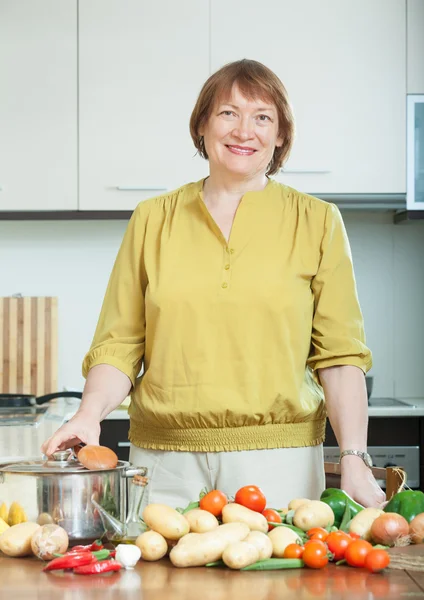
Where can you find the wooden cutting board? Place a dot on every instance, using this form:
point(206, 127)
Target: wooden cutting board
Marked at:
point(28, 345)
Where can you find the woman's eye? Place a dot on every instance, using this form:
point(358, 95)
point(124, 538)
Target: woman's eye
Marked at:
point(227, 113)
point(264, 118)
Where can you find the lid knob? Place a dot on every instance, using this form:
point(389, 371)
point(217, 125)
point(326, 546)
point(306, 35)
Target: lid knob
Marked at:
point(62, 455)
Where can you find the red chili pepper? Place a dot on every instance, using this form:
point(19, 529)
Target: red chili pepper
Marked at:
point(69, 561)
point(104, 566)
point(96, 545)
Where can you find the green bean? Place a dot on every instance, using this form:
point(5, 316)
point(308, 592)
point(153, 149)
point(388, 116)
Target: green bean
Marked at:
point(191, 506)
point(217, 563)
point(272, 564)
point(299, 532)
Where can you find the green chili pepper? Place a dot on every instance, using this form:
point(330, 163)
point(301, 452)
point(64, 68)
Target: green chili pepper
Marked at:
point(409, 504)
point(337, 500)
point(272, 564)
point(347, 517)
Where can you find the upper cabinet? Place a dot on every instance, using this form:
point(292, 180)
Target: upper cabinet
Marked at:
point(415, 48)
point(38, 105)
point(343, 65)
point(141, 66)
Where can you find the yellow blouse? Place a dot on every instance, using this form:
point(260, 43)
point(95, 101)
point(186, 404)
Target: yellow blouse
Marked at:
point(230, 332)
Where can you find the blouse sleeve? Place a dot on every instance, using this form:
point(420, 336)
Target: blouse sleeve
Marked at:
point(119, 338)
point(338, 336)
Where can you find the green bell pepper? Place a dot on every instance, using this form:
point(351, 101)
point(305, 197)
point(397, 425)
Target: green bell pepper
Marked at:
point(409, 504)
point(337, 500)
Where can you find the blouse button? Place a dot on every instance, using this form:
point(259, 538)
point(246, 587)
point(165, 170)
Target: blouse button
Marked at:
point(232, 250)
point(224, 285)
point(227, 267)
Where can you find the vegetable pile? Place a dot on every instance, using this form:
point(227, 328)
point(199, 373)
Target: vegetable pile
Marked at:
point(243, 534)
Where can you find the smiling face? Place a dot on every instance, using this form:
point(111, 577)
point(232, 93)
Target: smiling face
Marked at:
point(240, 135)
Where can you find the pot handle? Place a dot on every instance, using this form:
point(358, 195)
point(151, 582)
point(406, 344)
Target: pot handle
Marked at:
point(132, 471)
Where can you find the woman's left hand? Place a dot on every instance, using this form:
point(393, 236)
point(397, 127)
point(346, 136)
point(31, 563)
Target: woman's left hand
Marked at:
point(359, 482)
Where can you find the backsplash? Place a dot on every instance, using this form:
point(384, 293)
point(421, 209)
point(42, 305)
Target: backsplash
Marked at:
point(73, 259)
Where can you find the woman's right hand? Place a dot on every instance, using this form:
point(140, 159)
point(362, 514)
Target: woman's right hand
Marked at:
point(76, 430)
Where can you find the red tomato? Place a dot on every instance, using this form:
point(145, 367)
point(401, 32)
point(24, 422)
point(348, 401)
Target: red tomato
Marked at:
point(354, 536)
point(337, 543)
point(318, 533)
point(376, 560)
point(293, 551)
point(251, 497)
point(214, 502)
point(356, 553)
point(315, 554)
point(323, 544)
point(271, 515)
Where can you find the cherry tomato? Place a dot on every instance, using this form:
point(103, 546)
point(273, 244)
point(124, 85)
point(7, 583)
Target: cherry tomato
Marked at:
point(271, 515)
point(315, 554)
point(354, 536)
point(317, 533)
point(337, 543)
point(214, 502)
point(376, 560)
point(356, 553)
point(251, 497)
point(293, 551)
point(323, 544)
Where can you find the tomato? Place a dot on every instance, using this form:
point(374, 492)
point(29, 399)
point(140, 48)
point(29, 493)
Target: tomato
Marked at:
point(376, 560)
point(214, 502)
point(337, 543)
point(251, 497)
point(354, 536)
point(293, 551)
point(315, 554)
point(317, 533)
point(271, 515)
point(356, 553)
point(323, 544)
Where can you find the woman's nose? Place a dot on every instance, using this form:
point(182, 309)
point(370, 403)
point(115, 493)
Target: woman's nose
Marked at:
point(244, 131)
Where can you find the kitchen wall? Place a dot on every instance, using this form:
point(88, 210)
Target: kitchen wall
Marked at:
point(73, 259)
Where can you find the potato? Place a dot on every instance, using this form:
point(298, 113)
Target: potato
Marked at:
point(262, 543)
point(313, 514)
point(201, 521)
point(281, 537)
point(236, 513)
point(297, 502)
point(166, 520)
point(16, 541)
point(198, 549)
point(152, 544)
point(240, 554)
point(362, 522)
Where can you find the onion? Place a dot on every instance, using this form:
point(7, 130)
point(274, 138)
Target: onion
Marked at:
point(97, 457)
point(416, 529)
point(391, 529)
point(49, 540)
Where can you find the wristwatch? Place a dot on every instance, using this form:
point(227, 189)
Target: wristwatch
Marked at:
point(364, 455)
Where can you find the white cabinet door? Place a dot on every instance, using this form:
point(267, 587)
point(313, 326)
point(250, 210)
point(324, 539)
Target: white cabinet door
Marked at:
point(38, 105)
point(141, 66)
point(415, 48)
point(343, 64)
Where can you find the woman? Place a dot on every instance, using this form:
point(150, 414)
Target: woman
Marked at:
point(238, 294)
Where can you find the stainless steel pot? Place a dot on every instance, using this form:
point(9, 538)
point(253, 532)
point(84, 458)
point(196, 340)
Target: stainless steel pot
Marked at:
point(62, 491)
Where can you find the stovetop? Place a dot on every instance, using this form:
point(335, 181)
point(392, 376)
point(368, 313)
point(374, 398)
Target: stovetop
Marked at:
point(388, 402)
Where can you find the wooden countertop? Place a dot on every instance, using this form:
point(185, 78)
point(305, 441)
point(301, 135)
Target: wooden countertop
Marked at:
point(22, 578)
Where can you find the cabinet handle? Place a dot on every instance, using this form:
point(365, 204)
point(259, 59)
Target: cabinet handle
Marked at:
point(139, 188)
point(124, 444)
point(307, 171)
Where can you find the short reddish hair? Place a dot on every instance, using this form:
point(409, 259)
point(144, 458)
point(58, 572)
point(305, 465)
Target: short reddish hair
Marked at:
point(254, 80)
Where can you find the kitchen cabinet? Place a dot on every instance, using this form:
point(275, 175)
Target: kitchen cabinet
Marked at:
point(141, 67)
point(38, 105)
point(343, 64)
point(114, 435)
point(415, 46)
point(415, 153)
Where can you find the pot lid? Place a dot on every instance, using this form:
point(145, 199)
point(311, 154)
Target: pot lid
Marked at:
point(62, 462)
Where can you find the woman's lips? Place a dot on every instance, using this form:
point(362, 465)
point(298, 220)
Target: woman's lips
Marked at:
point(241, 150)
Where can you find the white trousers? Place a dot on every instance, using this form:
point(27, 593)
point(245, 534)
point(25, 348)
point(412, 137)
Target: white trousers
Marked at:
point(176, 478)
